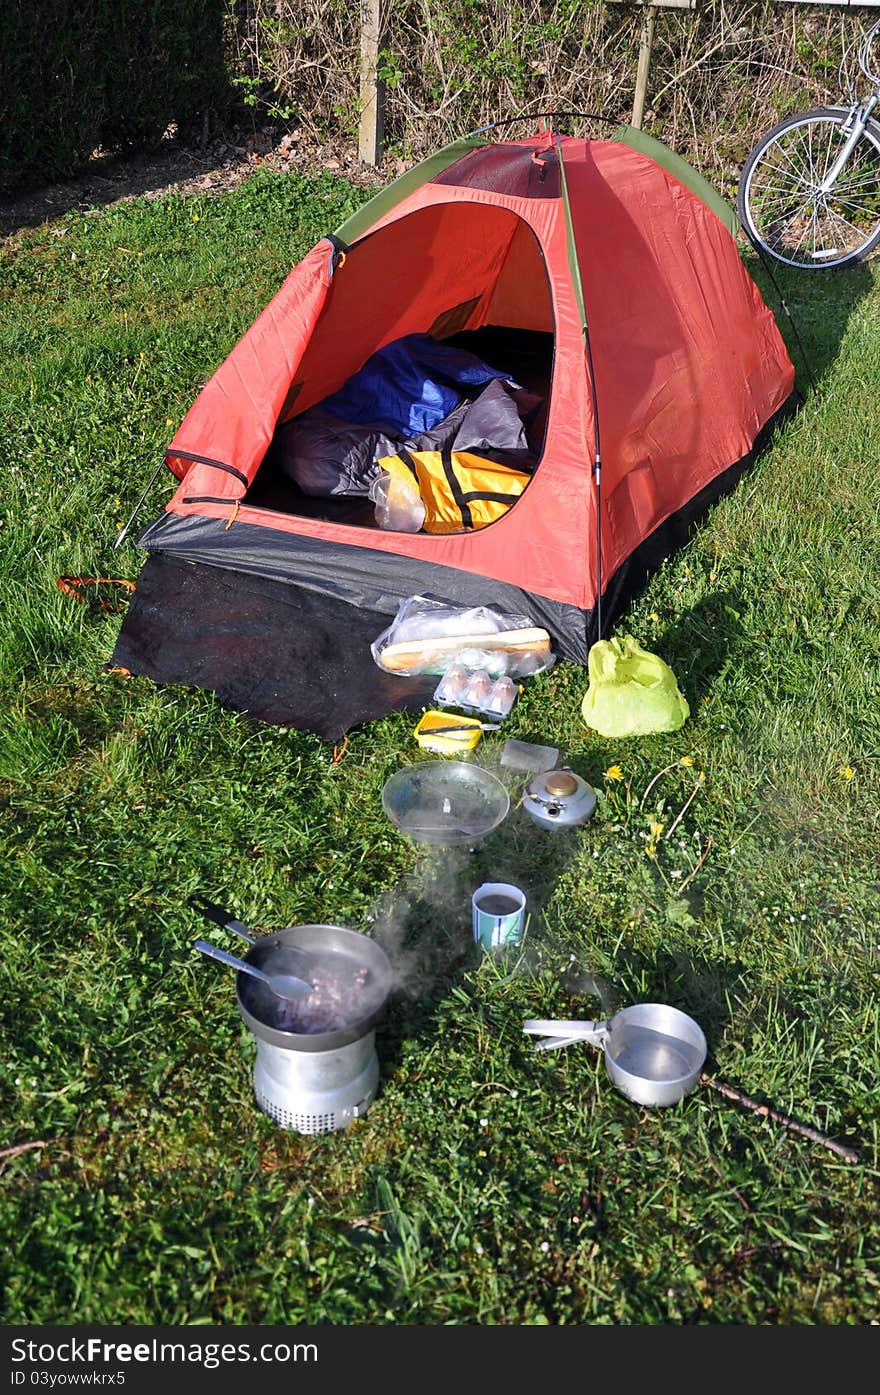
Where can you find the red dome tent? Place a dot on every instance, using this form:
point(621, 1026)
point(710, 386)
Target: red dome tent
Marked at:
point(609, 271)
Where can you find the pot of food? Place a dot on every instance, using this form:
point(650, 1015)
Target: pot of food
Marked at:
point(316, 1067)
point(654, 1054)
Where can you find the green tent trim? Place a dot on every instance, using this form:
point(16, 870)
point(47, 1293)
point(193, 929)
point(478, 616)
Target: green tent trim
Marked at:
point(394, 193)
point(681, 170)
point(381, 203)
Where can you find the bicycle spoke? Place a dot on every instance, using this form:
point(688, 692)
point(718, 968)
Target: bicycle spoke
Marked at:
point(856, 190)
point(811, 226)
point(832, 137)
point(869, 215)
point(783, 198)
point(783, 189)
point(785, 160)
point(799, 168)
point(866, 184)
point(839, 219)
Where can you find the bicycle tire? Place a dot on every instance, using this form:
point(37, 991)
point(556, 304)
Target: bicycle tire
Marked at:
point(776, 196)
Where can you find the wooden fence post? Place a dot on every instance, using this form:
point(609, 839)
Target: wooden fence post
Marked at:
point(646, 43)
point(372, 96)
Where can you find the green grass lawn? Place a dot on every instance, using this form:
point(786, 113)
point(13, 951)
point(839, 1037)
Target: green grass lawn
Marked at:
point(730, 869)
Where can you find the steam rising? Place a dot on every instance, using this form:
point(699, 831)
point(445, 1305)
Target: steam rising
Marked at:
point(424, 923)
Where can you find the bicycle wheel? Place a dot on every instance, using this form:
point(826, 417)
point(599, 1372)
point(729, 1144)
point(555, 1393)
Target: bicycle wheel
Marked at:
point(779, 201)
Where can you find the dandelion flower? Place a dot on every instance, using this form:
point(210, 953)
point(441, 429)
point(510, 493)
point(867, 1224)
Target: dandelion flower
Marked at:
point(686, 760)
point(614, 772)
point(847, 772)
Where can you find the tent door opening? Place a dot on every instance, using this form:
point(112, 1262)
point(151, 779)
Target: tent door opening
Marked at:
point(527, 355)
point(463, 277)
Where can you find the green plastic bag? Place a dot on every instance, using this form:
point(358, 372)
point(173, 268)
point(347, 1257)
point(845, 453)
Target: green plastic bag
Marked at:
point(631, 692)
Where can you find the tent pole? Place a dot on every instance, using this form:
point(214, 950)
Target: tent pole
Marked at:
point(539, 115)
point(137, 508)
point(574, 267)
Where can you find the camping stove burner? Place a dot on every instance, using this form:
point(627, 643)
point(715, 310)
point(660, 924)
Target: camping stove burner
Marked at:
point(316, 1067)
point(316, 1091)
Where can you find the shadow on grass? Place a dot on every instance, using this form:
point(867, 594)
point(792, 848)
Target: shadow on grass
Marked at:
point(98, 85)
point(701, 642)
point(819, 305)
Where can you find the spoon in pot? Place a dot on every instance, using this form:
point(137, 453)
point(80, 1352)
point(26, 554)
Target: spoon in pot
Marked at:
point(227, 921)
point(286, 986)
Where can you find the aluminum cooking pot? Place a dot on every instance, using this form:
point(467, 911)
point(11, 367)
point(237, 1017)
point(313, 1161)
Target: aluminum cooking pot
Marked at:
point(352, 978)
point(350, 975)
point(654, 1054)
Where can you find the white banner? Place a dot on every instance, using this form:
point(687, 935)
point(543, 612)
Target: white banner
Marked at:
point(841, 4)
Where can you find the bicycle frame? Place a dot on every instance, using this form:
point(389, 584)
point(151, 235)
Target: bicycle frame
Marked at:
point(809, 188)
point(856, 122)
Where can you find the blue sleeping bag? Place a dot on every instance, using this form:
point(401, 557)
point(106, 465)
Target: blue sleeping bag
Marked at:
point(409, 386)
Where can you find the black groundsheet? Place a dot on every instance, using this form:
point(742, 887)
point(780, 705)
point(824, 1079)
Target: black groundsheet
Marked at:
point(280, 653)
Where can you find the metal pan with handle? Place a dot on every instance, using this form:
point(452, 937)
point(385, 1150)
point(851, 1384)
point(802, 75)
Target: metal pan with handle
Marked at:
point(654, 1054)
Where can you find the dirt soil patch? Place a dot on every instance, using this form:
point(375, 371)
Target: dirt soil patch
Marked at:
point(210, 169)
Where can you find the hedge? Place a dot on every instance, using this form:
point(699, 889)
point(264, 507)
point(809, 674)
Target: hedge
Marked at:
point(77, 75)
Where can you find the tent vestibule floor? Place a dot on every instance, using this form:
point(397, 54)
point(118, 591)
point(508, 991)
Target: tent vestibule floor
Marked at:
point(527, 355)
point(207, 627)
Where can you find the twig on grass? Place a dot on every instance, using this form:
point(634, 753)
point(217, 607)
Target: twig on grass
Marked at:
point(696, 867)
point(739, 1196)
point(684, 808)
point(768, 1112)
point(16, 1148)
point(651, 783)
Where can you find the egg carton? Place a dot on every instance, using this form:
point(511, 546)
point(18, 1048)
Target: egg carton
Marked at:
point(475, 690)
